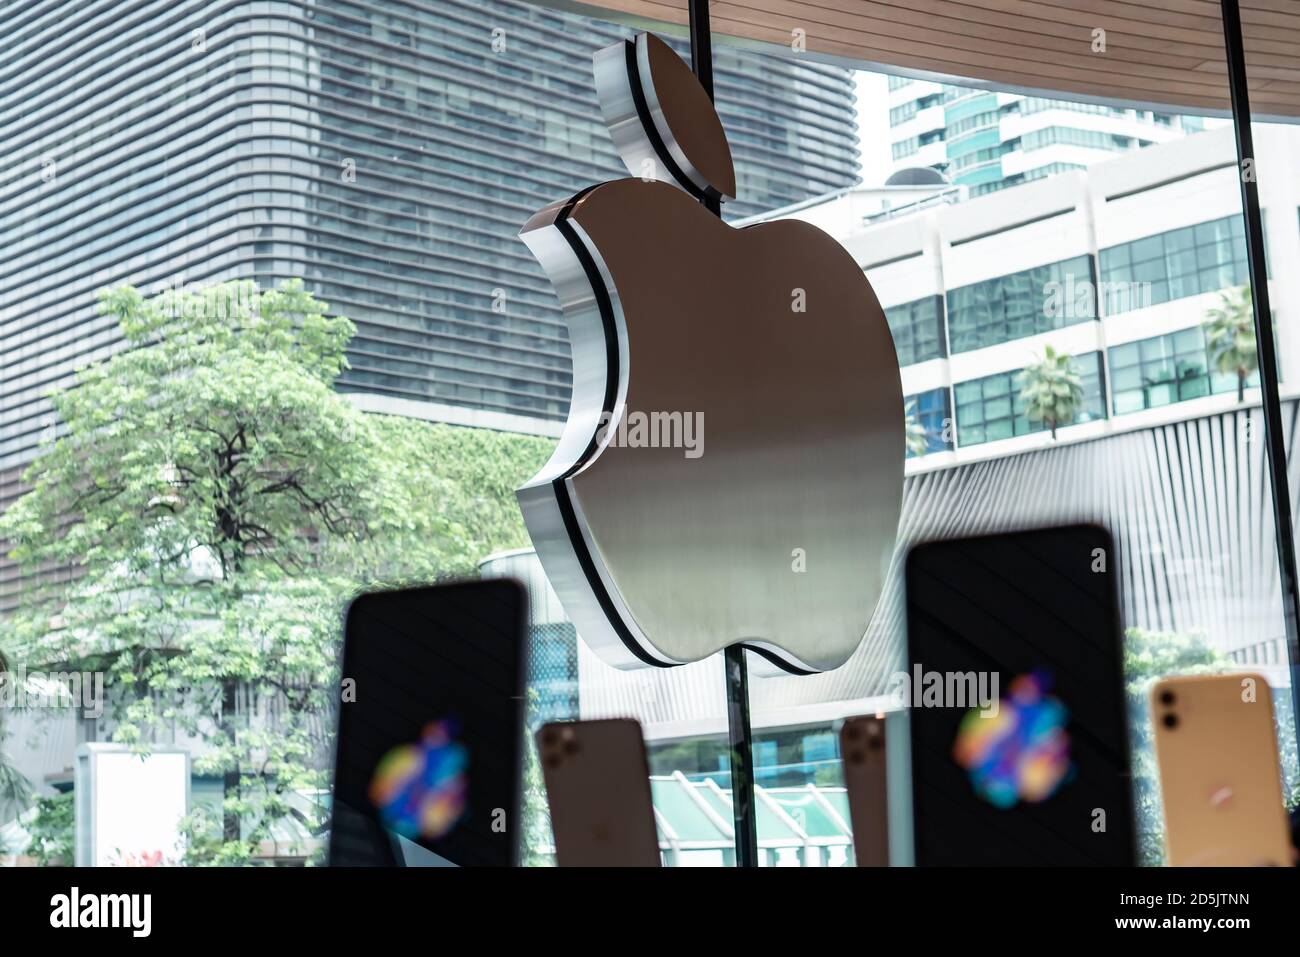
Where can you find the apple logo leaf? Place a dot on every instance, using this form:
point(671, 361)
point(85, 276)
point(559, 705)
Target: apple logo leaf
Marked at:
point(732, 465)
point(662, 122)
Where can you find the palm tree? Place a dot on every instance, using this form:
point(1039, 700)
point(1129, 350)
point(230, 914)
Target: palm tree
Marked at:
point(918, 438)
point(1230, 336)
point(15, 789)
point(1050, 390)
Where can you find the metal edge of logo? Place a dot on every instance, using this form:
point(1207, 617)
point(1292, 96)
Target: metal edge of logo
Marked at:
point(655, 126)
point(594, 579)
point(604, 592)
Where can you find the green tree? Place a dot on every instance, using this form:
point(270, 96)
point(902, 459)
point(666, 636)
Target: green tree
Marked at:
point(220, 501)
point(1230, 336)
point(52, 835)
point(918, 439)
point(1050, 390)
point(15, 790)
point(481, 470)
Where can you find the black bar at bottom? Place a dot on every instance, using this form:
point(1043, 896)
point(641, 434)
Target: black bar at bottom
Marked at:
point(1274, 440)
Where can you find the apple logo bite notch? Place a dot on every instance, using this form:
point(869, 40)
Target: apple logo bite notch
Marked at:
point(731, 468)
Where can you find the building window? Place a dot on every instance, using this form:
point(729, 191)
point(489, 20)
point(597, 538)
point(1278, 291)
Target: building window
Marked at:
point(905, 147)
point(1165, 369)
point(1051, 169)
point(989, 409)
point(905, 111)
point(902, 113)
point(1012, 307)
point(1036, 104)
point(977, 157)
point(1180, 263)
point(917, 328)
point(553, 670)
point(898, 82)
point(819, 748)
point(978, 121)
point(1069, 136)
point(933, 412)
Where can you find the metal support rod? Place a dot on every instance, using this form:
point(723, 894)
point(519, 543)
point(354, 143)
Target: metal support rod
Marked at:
point(739, 736)
point(702, 64)
point(1265, 344)
point(743, 800)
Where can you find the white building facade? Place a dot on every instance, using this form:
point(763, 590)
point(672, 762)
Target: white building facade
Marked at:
point(988, 140)
point(1116, 266)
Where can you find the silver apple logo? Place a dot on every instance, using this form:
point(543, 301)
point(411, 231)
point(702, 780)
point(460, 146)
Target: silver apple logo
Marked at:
point(770, 341)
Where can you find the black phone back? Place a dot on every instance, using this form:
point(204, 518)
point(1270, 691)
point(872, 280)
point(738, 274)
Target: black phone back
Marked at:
point(430, 729)
point(1015, 687)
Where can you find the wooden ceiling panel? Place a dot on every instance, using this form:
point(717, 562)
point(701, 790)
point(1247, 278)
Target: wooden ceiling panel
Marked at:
point(1160, 53)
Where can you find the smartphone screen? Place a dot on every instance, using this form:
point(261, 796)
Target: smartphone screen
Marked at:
point(430, 731)
point(1020, 752)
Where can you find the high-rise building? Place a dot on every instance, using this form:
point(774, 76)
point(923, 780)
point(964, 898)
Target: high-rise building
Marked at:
point(987, 141)
point(386, 152)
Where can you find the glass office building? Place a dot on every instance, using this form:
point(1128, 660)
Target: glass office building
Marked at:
point(386, 152)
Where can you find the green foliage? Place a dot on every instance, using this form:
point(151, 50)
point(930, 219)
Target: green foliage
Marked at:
point(480, 467)
point(1051, 391)
point(1230, 336)
point(222, 502)
point(917, 437)
point(537, 813)
point(15, 790)
point(53, 841)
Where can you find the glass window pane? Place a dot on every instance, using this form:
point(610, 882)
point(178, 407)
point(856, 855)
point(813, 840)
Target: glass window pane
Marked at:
point(455, 143)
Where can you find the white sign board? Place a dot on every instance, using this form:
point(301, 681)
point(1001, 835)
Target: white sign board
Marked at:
point(129, 807)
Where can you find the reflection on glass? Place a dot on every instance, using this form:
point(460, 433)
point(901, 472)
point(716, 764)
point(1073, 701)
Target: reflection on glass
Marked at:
point(1114, 236)
point(389, 160)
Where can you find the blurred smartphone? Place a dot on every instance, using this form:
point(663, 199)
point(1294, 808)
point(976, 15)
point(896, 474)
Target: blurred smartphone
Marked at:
point(1220, 778)
point(1016, 701)
point(598, 788)
point(427, 763)
point(862, 748)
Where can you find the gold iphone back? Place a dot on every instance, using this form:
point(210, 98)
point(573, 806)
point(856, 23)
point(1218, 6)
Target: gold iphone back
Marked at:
point(1219, 774)
point(862, 749)
point(598, 788)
